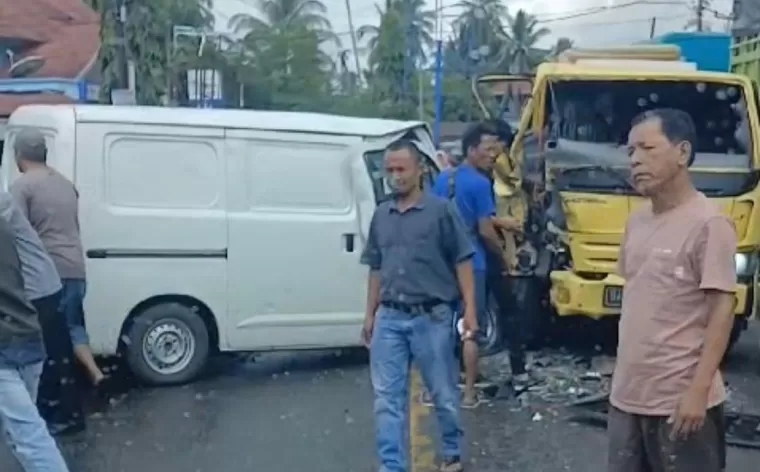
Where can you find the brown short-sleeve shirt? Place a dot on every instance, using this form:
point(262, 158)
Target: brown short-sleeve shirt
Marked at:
point(668, 261)
point(51, 204)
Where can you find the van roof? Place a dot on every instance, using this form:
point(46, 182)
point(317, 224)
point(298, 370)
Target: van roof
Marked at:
point(319, 123)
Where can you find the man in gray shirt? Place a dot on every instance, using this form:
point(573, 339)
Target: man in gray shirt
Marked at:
point(59, 401)
point(51, 204)
point(21, 360)
point(420, 259)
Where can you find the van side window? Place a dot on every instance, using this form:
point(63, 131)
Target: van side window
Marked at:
point(380, 184)
point(180, 173)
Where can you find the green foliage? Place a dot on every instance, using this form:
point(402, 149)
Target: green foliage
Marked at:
point(278, 61)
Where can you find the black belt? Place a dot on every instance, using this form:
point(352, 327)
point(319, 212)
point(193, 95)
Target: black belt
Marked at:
point(414, 308)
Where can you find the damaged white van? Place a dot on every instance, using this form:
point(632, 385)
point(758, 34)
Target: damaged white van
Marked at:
point(218, 230)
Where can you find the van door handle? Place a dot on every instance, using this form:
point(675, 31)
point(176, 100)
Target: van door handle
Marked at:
point(348, 241)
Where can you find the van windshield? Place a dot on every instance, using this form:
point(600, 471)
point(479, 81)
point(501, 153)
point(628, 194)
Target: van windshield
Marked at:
point(588, 124)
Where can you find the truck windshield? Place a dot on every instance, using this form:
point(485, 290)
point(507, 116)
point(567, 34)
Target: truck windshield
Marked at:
point(588, 124)
point(600, 112)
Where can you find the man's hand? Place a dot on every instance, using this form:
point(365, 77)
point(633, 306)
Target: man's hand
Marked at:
point(369, 324)
point(469, 324)
point(690, 413)
point(510, 224)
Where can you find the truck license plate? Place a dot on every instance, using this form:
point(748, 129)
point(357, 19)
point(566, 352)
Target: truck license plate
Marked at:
point(613, 297)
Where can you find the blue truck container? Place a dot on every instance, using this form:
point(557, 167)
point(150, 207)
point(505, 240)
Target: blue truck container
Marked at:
point(709, 51)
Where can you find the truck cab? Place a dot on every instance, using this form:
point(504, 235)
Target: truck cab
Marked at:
point(571, 146)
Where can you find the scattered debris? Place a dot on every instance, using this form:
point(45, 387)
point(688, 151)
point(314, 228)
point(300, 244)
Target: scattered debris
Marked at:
point(558, 377)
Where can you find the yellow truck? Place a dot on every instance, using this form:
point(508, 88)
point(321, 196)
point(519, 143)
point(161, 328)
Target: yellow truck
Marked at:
point(576, 195)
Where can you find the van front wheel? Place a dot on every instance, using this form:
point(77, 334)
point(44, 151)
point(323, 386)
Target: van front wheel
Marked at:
point(168, 344)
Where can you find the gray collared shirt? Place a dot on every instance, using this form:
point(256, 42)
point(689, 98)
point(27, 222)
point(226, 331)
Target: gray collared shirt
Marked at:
point(40, 275)
point(416, 251)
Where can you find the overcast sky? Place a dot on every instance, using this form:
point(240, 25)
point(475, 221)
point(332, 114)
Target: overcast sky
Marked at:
point(578, 20)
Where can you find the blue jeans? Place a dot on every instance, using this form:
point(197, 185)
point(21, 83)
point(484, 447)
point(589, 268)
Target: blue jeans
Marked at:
point(72, 307)
point(26, 431)
point(399, 338)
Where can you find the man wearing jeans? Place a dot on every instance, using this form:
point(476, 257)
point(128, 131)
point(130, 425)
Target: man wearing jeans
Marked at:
point(58, 396)
point(51, 204)
point(420, 258)
point(21, 358)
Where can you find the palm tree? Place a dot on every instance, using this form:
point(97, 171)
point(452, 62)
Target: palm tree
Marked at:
point(283, 15)
point(406, 19)
point(284, 42)
point(522, 35)
point(482, 20)
point(562, 45)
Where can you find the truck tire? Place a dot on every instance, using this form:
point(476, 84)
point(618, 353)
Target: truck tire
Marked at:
point(492, 343)
point(167, 344)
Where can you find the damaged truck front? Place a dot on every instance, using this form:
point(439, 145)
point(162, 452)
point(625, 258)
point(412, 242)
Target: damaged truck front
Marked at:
point(576, 197)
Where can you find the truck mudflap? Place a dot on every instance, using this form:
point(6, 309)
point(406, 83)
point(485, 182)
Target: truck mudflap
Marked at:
point(572, 295)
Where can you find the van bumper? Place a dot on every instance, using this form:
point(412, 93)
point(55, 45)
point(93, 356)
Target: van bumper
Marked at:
point(572, 295)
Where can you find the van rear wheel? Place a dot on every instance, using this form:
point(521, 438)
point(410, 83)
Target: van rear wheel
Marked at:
point(168, 344)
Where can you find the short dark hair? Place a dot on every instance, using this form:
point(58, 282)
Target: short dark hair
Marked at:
point(675, 124)
point(503, 131)
point(29, 144)
point(408, 145)
point(473, 135)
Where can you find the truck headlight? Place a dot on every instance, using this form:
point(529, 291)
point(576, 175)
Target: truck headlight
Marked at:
point(744, 265)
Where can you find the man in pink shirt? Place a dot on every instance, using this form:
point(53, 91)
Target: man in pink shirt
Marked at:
point(677, 258)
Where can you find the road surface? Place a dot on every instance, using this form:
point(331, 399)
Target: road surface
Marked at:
point(312, 412)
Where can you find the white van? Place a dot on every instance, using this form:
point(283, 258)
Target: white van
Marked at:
point(218, 230)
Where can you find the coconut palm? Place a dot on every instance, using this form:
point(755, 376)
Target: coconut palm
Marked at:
point(406, 19)
point(523, 32)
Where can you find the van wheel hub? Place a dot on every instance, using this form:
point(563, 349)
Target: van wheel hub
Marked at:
point(168, 347)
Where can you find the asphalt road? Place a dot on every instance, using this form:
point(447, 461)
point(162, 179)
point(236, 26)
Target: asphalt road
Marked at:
point(312, 412)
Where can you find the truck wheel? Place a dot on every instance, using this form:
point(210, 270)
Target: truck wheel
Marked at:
point(492, 343)
point(168, 344)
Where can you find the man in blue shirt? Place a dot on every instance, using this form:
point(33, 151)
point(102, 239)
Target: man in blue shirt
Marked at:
point(471, 191)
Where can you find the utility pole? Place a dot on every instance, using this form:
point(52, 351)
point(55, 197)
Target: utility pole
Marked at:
point(353, 43)
point(120, 17)
point(652, 27)
point(700, 14)
point(420, 95)
point(408, 64)
point(438, 77)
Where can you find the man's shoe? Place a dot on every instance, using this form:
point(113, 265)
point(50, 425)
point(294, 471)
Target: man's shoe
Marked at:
point(480, 381)
point(472, 402)
point(66, 429)
point(452, 464)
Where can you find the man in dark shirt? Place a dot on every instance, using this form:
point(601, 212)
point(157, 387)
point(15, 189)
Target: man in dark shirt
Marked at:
point(420, 259)
point(21, 358)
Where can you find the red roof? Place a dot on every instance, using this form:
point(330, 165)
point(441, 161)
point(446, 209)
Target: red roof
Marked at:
point(64, 32)
point(10, 101)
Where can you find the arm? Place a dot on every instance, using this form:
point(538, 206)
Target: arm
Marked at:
point(18, 191)
point(621, 253)
point(372, 257)
point(483, 204)
point(507, 223)
point(459, 250)
point(715, 262)
point(6, 206)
